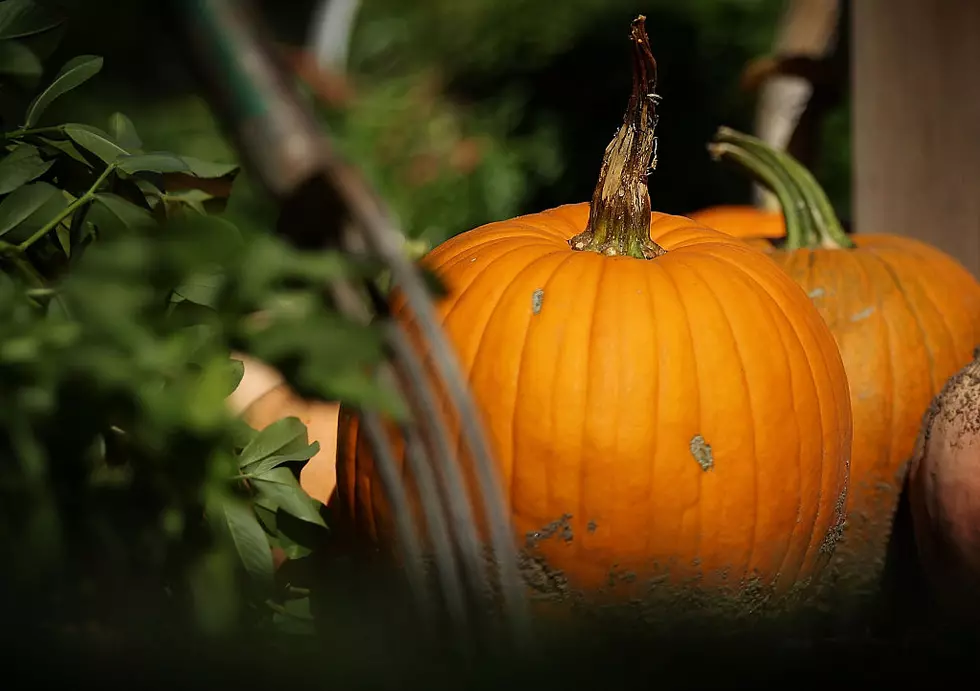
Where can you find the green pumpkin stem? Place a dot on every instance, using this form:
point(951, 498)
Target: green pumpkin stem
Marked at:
point(805, 192)
point(799, 224)
point(619, 216)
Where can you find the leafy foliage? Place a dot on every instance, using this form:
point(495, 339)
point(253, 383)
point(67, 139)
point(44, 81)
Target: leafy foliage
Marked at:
point(127, 488)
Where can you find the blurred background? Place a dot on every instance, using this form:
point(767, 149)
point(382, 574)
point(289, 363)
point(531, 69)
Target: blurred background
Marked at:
point(464, 112)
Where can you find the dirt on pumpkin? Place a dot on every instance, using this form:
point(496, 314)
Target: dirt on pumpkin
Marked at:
point(656, 605)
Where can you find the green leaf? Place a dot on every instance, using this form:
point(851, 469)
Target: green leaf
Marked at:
point(208, 169)
point(119, 213)
point(123, 131)
point(243, 433)
point(20, 166)
point(202, 288)
point(18, 60)
point(151, 192)
point(64, 239)
point(52, 206)
point(235, 520)
point(298, 537)
point(74, 73)
point(161, 162)
point(269, 520)
point(279, 488)
point(67, 148)
point(236, 374)
point(22, 203)
point(281, 437)
point(95, 140)
point(266, 464)
point(191, 198)
point(19, 18)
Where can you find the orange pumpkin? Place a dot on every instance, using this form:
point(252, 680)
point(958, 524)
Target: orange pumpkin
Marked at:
point(754, 225)
point(905, 316)
point(663, 394)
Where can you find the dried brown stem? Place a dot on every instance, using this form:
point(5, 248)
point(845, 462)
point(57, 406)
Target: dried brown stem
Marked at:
point(619, 217)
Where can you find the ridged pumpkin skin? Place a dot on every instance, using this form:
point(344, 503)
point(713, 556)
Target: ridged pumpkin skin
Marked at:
point(753, 225)
point(906, 317)
point(601, 379)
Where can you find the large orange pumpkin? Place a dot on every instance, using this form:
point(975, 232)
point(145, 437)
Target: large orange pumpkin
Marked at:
point(906, 317)
point(664, 403)
point(754, 225)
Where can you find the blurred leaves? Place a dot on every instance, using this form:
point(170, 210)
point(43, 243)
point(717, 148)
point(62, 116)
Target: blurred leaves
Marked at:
point(20, 18)
point(128, 488)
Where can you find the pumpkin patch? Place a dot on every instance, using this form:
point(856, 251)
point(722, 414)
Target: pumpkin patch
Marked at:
point(665, 404)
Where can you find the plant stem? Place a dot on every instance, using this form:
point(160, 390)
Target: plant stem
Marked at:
point(619, 216)
point(805, 193)
point(799, 224)
point(80, 202)
point(17, 134)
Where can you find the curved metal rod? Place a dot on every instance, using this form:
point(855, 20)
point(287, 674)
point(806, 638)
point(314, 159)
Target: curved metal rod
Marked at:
point(410, 380)
point(387, 245)
point(407, 537)
point(439, 531)
point(452, 485)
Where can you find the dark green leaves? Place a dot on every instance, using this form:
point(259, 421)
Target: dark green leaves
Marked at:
point(282, 437)
point(160, 162)
point(123, 131)
point(235, 521)
point(278, 489)
point(208, 169)
point(66, 147)
point(281, 442)
point(23, 202)
point(115, 214)
point(74, 73)
point(22, 18)
point(19, 61)
point(20, 166)
point(201, 289)
point(96, 141)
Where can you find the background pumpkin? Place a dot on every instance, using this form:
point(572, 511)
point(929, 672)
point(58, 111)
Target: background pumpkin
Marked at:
point(906, 317)
point(662, 400)
point(752, 224)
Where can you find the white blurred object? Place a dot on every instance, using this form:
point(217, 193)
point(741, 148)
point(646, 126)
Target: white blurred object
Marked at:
point(330, 32)
point(809, 29)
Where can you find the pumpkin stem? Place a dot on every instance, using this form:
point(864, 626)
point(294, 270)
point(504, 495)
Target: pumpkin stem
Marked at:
point(764, 164)
point(799, 224)
point(619, 216)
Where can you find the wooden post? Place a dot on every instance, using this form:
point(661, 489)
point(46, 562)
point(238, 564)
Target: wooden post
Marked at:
point(916, 122)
